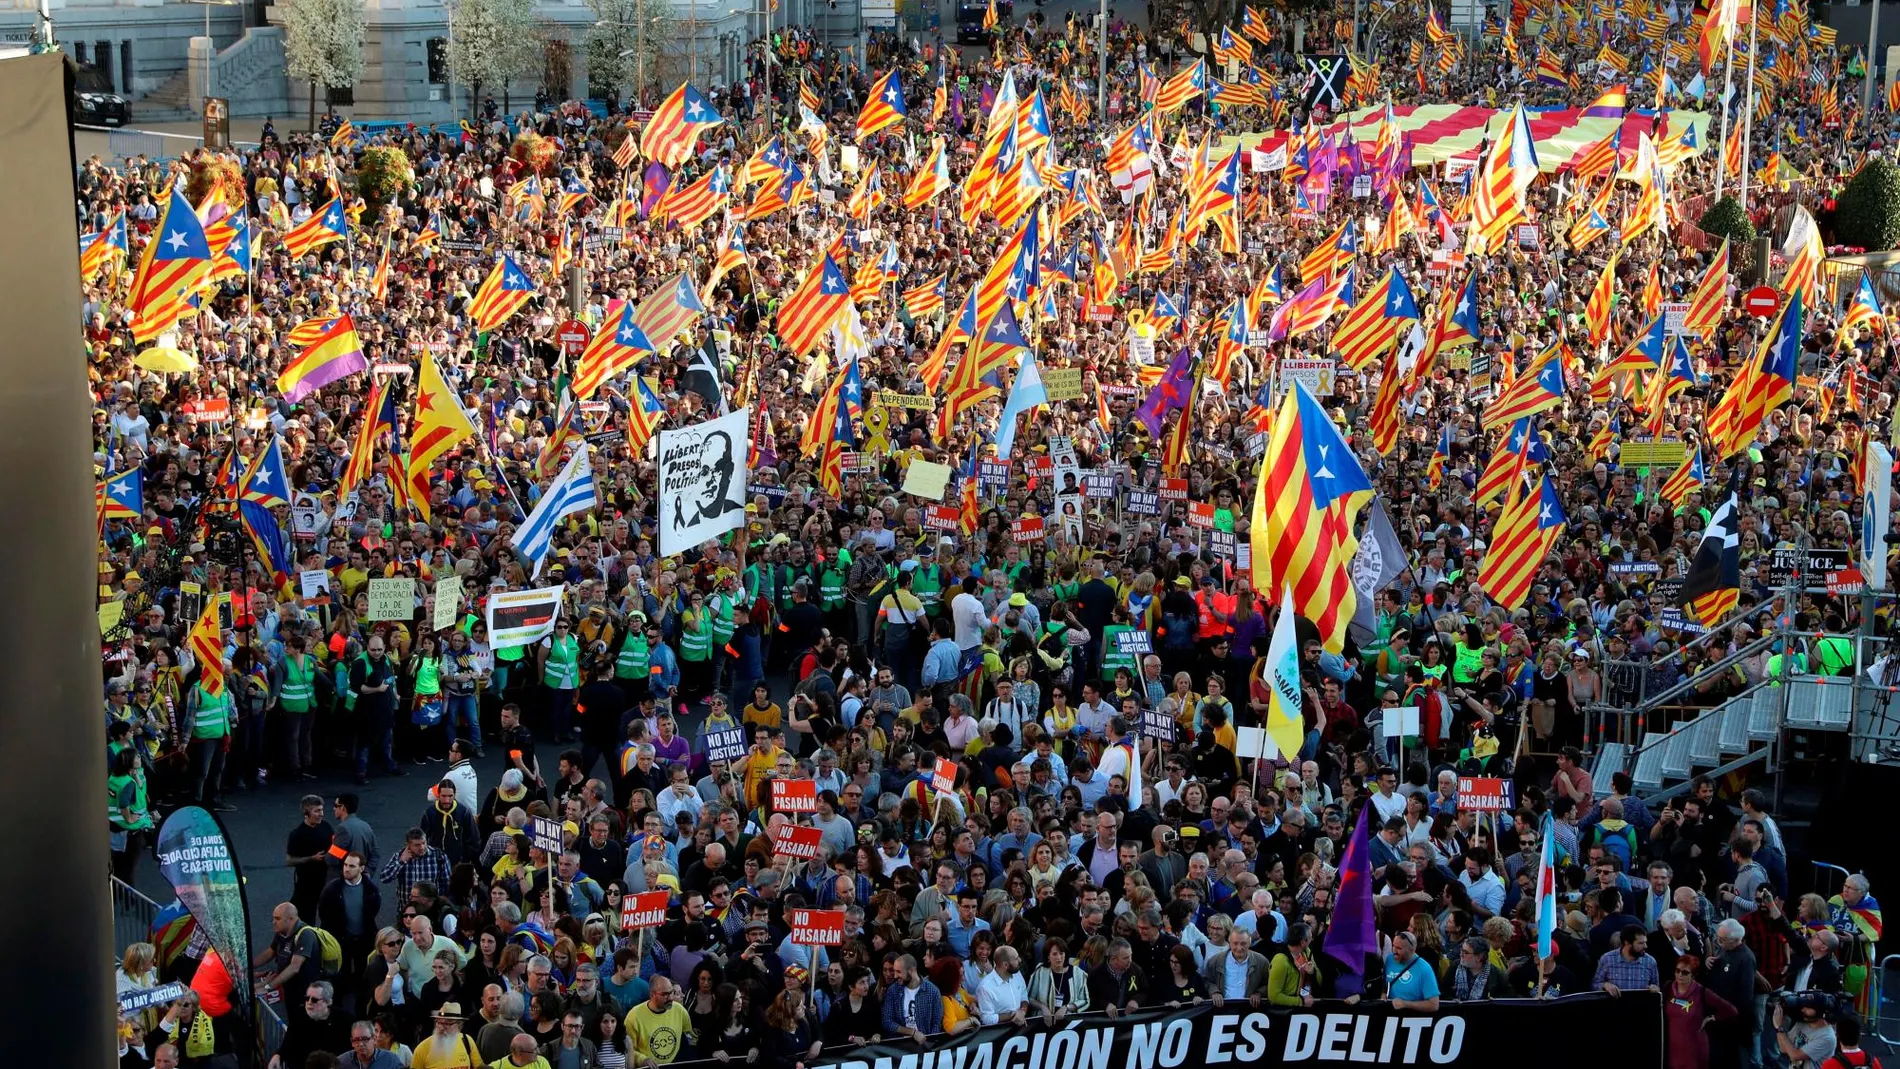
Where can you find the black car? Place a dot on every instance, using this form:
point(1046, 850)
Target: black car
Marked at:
point(970, 20)
point(94, 103)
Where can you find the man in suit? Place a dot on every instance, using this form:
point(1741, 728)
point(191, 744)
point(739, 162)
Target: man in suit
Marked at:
point(1648, 903)
point(1672, 939)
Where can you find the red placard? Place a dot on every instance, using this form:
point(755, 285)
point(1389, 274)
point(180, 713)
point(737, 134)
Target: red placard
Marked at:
point(1482, 794)
point(1027, 529)
point(1846, 581)
point(1174, 489)
point(209, 410)
point(1761, 302)
point(795, 795)
point(572, 336)
point(943, 778)
point(644, 910)
point(1040, 466)
point(1201, 514)
point(803, 843)
point(943, 518)
point(817, 927)
point(1098, 313)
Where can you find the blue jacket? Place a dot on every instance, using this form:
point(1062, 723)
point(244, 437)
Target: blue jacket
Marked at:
point(927, 1008)
point(663, 658)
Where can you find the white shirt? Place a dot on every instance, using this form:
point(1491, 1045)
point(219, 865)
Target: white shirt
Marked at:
point(966, 609)
point(997, 996)
point(1388, 806)
point(1114, 762)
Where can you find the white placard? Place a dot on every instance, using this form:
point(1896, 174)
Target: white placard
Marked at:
point(703, 481)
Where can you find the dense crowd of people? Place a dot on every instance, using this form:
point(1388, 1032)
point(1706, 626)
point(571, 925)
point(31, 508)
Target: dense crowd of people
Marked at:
point(1023, 813)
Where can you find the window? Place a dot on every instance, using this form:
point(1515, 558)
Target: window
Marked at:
point(438, 53)
point(102, 55)
point(341, 96)
point(79, 51)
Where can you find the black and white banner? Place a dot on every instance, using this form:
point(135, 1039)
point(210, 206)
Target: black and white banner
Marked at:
point(1325, 81)
point(702, 481)
point(1595, 1029)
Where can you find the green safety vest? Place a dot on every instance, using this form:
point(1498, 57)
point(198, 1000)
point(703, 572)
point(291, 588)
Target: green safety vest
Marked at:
point(760, 583)
point(830, 587)
point(696, 638)
point(1771, 672)
point(429, 678)
point(115, 785)
point(722, 625)
point(1835, 653)
point(1112, 656)
point(214, 714)
point(299, 688)
point(563, 671)
point(927, 583)
point(1466, 663)
point(634, 658)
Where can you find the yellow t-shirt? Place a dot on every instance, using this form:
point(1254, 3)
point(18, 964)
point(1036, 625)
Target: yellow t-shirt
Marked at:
point(458, 1053)
point(658, 1035)
point(352, 580)
point(758, 766)
point(771, 716)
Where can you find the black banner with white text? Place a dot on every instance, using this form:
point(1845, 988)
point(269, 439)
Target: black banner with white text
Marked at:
point(1594, 1029)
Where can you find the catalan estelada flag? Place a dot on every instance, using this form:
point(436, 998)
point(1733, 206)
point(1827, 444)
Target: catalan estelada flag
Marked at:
point(614, 348)
point(883, 106)
point(1711, 293)
point(336, 353)
point(379, 418)
point(326, 226)
point(501, 295)
point(1541, 388)
point(172, 269)
point(676, 124)
point(266, 482)
point(206, 645)
point(1864, 309)
point(1526, 531)
point(1441, 453)
point(811, 309)
point(1310, 493)
point(107, 247)
point(927, 299)
point(122, 496)
point(1764, 384)
point(1685, 480)
point(344, 133)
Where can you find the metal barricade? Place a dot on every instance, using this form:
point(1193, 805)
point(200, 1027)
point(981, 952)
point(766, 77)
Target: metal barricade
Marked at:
point(132, 915)
point(270, 1029)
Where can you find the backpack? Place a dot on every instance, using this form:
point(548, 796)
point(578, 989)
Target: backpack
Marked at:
point(1621, 843)
point(329, 951)
point(1842, 1060)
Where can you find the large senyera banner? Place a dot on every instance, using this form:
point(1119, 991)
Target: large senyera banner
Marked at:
point(1597, 1030)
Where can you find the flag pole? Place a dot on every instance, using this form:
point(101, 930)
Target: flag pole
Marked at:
point(1748, 105)
point(1728, 80)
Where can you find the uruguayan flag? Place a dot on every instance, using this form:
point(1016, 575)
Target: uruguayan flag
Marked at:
point(572, 491)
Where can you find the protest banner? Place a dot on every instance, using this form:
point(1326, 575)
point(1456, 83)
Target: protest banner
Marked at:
point(392, 599)
point(519, 617)
point(702, 480)
point(644, 910)
point(545, 832)
point(801, 843)
point(816, 927)
point(1597, 1029)
point(1484, 794)
point(196, 859)
point(795, 795)
point(725, 744)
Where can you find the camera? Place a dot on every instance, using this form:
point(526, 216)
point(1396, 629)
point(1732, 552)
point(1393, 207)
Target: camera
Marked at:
point(1824, 1004)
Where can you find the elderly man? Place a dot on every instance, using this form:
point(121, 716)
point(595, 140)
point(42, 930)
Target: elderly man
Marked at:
point(1673, 939)
point(364, 1053)
point(1241, 973)
point(1730, 973)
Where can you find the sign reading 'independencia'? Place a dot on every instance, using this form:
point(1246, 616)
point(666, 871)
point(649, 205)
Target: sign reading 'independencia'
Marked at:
point(1461, 1034)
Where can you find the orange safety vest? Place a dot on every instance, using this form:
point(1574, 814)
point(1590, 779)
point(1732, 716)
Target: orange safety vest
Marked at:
point(1215, 610)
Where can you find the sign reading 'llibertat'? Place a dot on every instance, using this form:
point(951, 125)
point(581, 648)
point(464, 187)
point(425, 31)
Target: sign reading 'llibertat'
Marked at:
point(702, 481)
